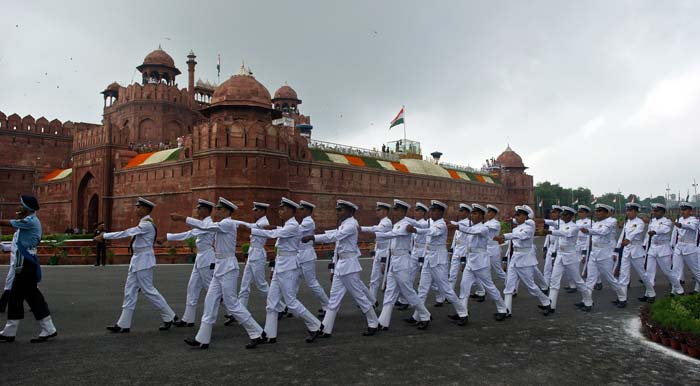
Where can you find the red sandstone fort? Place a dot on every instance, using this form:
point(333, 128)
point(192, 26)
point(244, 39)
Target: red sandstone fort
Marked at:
point(234, 140)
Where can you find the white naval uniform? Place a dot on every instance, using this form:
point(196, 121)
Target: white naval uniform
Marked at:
point(202, 270)
point(686, 249)
point(381, 252)
point(633, 255)
point(346, 274)
point(398, 277)
point(435, 266)
point(677, 264)
point(417, 253)
point(660, 253)
point(140, 276)
point(567, 260)
point(494, 249)
point(582, 241)
point(254, 271)
point(307, 263)
point(224, 281)
point(458, 252)
point(522, 263)
point(284, 278)
point(551, 244)
point(600, 261)
point(477, 267)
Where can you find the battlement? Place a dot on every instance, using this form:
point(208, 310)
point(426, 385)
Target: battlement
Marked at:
point(151, 92)
point(89, 135)
point(29, 126)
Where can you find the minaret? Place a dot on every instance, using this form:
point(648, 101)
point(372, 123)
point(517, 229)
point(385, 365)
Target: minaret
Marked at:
point(190, 70)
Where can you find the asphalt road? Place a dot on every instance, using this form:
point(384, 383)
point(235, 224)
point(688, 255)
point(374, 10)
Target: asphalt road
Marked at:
point(567, 348)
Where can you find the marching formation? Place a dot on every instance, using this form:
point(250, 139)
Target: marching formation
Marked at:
point(411, 243)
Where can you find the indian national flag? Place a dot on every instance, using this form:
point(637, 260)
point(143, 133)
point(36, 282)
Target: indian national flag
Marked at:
point(398, 120)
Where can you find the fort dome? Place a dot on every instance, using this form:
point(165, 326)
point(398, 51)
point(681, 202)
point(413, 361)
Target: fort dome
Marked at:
point(285, 92)
point(510, 159)
point(242, 89)
point(159, 57)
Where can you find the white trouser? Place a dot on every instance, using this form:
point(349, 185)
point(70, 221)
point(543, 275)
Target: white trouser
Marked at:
point(46, 324)
point(200, 278)
point(524, 275)
point(625, 275)
point(548, 263)
point(482, 276)
point(664, 262)
point(348, 283)
point(604, 268)
point(412, 273)
point(308, 273)
point(282, 289)
point(398, 282)
point(539, 278)
point(678, 266)
point(438, 275)
point(455, 268)
point(497, 267)
point(572, 271)
point(254, 272)
point(375, 278)
point(693, 262)
point(142, 280)
point(224, 286)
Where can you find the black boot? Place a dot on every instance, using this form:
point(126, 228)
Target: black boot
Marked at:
point(411, 321)
point(42, 339)
point(166, 325)
point(439, 304)
point(254, 342)
point(422, 325)
point(622, 304)
point(463, 321)
point(6, 339)
point(500, 316)
point(314, 334)
point(370, 331)
point(117, 329)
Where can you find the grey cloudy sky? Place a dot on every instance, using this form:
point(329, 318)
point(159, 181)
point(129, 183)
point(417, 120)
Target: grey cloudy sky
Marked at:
point(602, 94)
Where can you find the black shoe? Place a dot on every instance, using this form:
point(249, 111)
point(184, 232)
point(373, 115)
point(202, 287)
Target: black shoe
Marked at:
point(541, 307)
point(480, 298)
point(7, 339)
point(571, 290)
point(598, 286)
point(314, 334)
point(255, 342)
point(280, 315)
point(546, 291)
point(382, 328)
point(116, 328)
point(422, 325)
point(193, 342)
point(454, 316)
point(515, 294)
point(621, 304)
point(439, 304)
point(547, 310)
point(270, 340)
point(42, 339)
point(324, 335)
point(463, 321)
point(402, 307)
point(615, 302)
point(370, 332)
point(586, 308)
point(411, 321)
point(166, 325)
point(182, 323)
point(499, 316)
point(321, 314)
point(579, 305)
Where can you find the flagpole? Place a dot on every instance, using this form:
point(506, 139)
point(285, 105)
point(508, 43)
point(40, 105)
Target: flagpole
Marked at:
point(404, 128)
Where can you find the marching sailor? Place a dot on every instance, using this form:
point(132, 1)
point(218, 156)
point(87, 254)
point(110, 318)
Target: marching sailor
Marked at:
point(307, 255)
point(566, 257)
point(225, 278)
point(522, 259)
point(204, 263)
point(346, 269)
point(399, 266)
point(631, 251)
point(600, 259)
point(140, 276)
point(493, 248)
point(435, 266)
point(381, 249)
point(582, 242)
point(687, 244)
point(255, 265)
point(477, 262)
point(459, 251)
point(659, 251)
point(286, 273)
point(417, 248)
point(9, 279)
point(550, 243)
point(27, 275)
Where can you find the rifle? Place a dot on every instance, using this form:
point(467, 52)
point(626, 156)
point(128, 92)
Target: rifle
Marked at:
point(386, 270)
point(648, 247)
point(620, 251)
point(584, 274)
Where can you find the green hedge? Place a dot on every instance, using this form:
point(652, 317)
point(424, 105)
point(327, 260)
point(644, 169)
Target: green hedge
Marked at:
point(54, 236)
point(680, 313)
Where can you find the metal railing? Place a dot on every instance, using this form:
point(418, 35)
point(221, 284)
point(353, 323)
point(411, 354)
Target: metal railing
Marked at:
point(352, 150)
